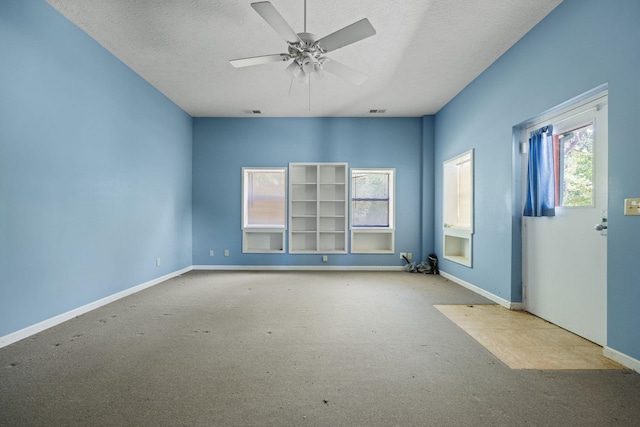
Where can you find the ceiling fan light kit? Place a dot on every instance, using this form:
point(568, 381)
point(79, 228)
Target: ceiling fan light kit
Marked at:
point(306, 52)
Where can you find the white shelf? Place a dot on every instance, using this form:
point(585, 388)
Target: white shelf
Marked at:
point(372, 241)
point(457, 245)
point(303, 173)
point(459, 259)
point(332, 223)
point(317, 210)
point(304, 224)
point(332, 242)
point(263, 241)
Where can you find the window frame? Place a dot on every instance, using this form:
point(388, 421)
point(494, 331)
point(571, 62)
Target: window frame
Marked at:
point(373, 239)
point(391, 199)
point(245, 211)
point(559, 177)
point(263, 238)
point(457, 237)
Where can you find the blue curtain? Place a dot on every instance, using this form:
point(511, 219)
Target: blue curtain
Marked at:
point(540, 177)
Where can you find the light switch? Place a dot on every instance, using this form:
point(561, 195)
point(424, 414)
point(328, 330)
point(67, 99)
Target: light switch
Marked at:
point(632, 206)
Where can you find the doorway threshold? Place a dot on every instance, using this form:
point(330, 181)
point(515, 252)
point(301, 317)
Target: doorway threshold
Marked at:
point(523, 341)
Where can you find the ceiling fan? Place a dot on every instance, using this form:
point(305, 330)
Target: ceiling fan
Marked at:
point(306, 52)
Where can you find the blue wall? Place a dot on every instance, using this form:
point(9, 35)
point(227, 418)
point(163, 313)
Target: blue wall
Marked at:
point(584, 44)
point(221, 147)
point(95, 171)
point(96, 166)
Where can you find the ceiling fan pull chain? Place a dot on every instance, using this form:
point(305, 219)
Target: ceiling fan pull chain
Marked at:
point(309, 88)
point(305, 16)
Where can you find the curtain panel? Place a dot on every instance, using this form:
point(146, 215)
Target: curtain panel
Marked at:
point(541, 174)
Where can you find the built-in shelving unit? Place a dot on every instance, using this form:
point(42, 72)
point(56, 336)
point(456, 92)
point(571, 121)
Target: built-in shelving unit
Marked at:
point(317, 207)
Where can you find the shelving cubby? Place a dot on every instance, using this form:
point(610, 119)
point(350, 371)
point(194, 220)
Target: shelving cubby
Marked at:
point(372, 241)
point(262, 241)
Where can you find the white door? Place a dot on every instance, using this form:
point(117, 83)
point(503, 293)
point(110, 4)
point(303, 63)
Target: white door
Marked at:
point(565, 257)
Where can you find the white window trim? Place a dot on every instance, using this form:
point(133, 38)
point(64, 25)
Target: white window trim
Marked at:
point(253, 233)
point(244, 190)
point(457, 239)
point(374, 240)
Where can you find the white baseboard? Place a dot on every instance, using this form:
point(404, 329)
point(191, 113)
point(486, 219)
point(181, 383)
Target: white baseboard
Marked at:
point(621, 358)
point(46, 324)
point(503, 302)
point(13, 337)
point(297, 268)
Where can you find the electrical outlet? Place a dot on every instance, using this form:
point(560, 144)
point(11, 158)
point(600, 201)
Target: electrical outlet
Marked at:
point(402, 255)
point(632, 206)
point(211, 252)
point(325, 258)
point(409, 256)
point(158, 262)
point(226, 252)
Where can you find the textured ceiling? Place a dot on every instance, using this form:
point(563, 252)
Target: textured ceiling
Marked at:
point(424, 52)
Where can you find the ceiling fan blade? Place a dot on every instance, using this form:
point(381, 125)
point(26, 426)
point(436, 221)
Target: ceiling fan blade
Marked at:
point(277, 22)
point(258, 60)
point(349, 34)
point(340, 70)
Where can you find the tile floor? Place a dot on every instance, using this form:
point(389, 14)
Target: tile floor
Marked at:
point(524, 341)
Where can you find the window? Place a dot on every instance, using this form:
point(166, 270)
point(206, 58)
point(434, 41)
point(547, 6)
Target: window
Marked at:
point(263, 209)
point(372, 198)
point(372, 210)
point(264, 197)
point(574, 173)
point(458, 191)
point(457, 208)
point(574, 159)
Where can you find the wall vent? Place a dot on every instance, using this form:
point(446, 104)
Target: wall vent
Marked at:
point(377, 111)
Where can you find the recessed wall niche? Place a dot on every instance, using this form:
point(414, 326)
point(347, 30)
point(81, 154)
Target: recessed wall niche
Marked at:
point(457, 208)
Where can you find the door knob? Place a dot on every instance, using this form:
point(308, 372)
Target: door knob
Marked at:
point(602, 227)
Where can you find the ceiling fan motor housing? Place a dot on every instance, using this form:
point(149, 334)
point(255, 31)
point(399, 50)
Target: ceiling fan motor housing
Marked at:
point(306, 52)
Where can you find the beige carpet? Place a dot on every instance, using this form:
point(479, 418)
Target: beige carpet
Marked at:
point(292, 349)
point(524, 341)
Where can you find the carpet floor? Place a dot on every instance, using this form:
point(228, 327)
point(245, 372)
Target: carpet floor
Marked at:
point(292, 349)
